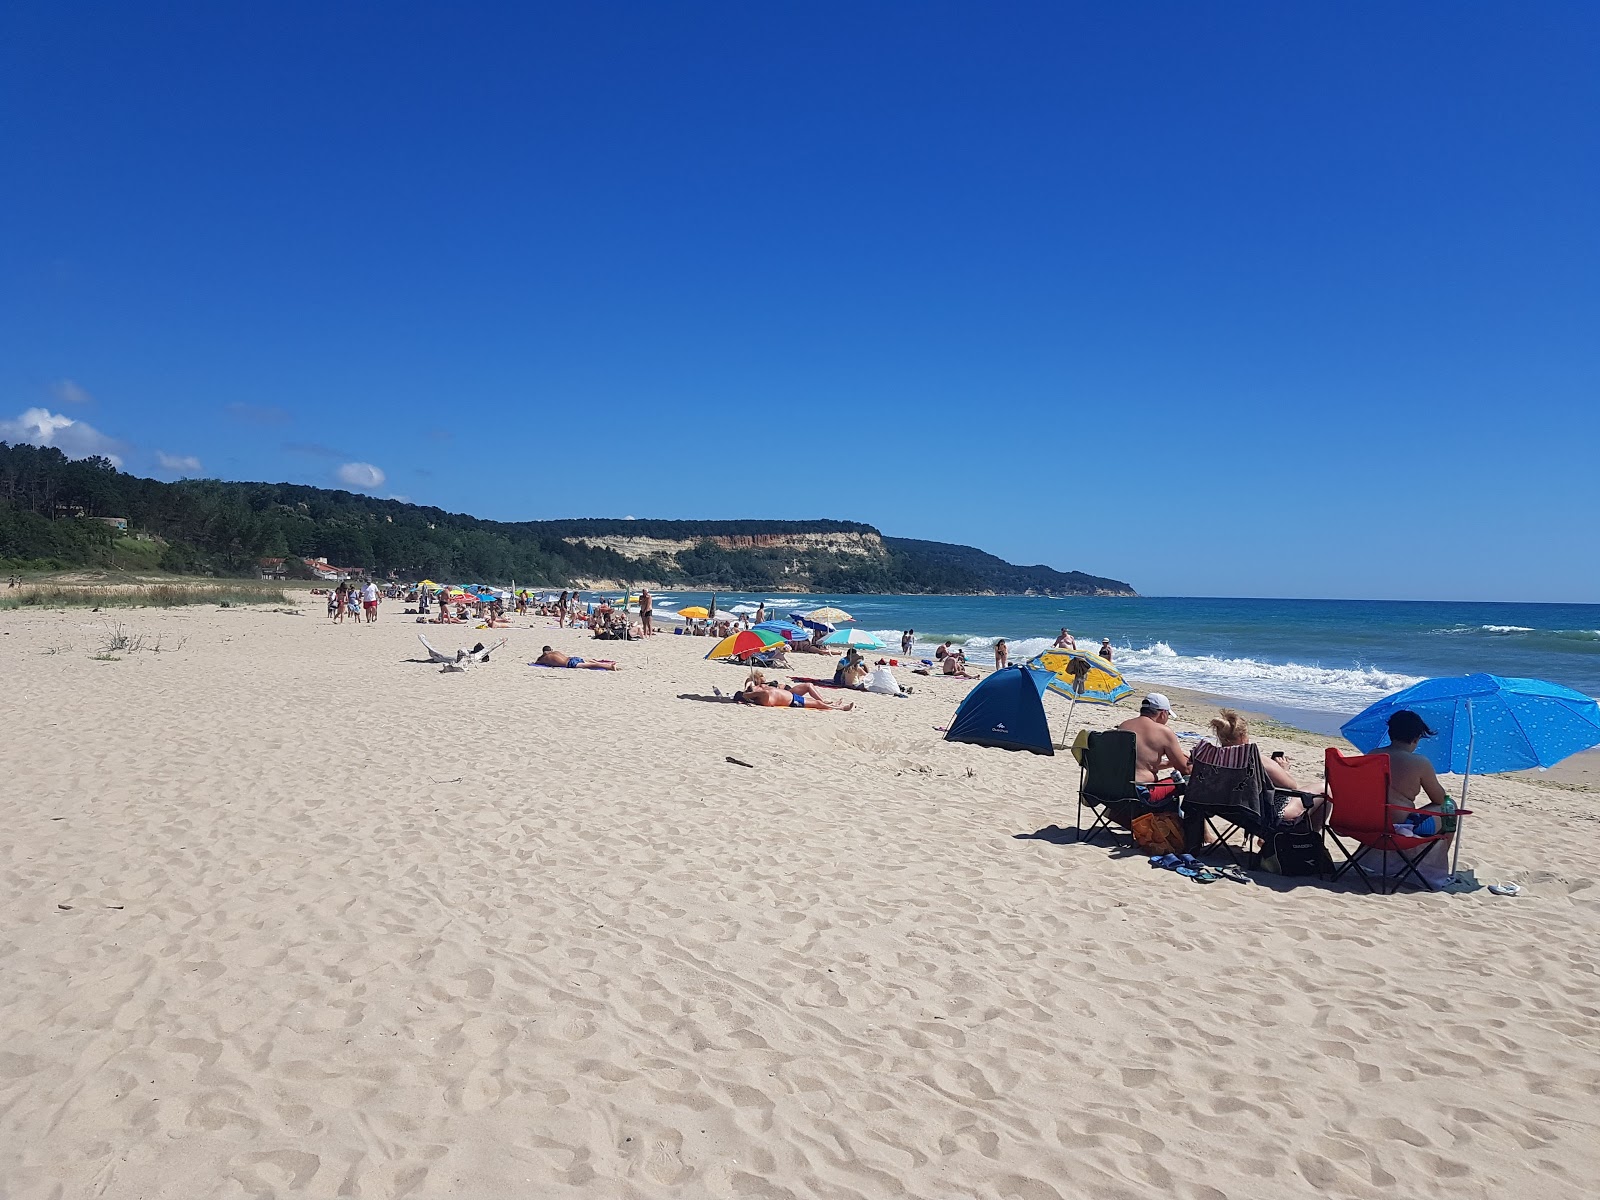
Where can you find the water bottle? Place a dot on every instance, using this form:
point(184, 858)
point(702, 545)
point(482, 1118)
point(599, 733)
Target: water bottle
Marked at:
point(1448, 824)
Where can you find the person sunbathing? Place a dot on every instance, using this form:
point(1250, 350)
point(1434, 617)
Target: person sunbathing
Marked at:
point(1158, 746)
point(796, 695)
point(444, 618)
point(955, 664)
point(851, 670)
point(554, 658)
point(1230, 729)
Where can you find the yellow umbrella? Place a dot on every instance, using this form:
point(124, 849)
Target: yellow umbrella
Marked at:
point(833, 616)
point(694, 613)
point(1079, 675)
point(429, 584)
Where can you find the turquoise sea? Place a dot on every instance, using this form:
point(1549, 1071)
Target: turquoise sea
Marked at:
point(1313, 660)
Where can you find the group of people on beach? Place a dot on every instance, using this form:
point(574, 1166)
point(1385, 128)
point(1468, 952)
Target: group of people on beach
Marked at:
point(1163, 764)
point(354, 600)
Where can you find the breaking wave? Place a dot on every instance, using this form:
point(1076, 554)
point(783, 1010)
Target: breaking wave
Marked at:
point(1521, 632)
point(1295, 685)
point(1298, 685)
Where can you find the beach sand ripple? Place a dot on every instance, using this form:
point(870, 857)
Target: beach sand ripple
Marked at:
point(287, 914)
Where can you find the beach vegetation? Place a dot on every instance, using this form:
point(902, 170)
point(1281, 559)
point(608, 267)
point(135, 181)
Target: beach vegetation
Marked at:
point(138, 595)
point(59, 514)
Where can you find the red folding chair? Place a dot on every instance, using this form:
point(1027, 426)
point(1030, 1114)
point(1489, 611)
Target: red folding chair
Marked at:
point(1358, 793)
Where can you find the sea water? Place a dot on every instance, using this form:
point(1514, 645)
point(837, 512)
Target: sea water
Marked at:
point(1329, 657)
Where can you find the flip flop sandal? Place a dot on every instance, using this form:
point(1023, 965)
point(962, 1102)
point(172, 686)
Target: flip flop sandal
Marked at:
point(1188, 872)
point(1165, 861)
point(1206, 875)
point(1235, 873)
point(1504, 889)
point(1189, 860)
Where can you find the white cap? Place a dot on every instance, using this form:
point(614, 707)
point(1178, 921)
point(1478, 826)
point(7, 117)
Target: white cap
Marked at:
point(1156, 701)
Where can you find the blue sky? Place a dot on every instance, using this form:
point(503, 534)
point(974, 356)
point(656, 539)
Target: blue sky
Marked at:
point(1267, 299)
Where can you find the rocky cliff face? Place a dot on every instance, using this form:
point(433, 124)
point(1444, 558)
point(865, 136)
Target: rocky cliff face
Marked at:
point(866, 545)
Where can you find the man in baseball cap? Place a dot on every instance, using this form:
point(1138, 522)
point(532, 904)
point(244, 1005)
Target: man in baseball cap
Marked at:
point(1159, 748)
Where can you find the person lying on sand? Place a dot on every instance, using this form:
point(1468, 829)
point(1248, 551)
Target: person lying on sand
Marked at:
point(554, 658)
point(444, 618)
point(796, 695)
point(955, 663)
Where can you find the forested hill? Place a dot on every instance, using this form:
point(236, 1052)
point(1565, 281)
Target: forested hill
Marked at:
point(53, 510)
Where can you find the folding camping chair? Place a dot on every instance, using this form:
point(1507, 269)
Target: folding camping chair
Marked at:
point(1358, 790)
point(1106, 783)
point(1229, 784)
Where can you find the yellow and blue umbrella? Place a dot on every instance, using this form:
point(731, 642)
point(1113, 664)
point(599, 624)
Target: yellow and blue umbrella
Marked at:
point(1080, 676)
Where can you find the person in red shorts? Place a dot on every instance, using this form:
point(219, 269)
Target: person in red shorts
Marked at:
point(1159, 748)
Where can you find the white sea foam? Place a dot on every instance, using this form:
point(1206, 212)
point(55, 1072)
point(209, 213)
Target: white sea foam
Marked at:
point(1298, 685)
point(1295, 685)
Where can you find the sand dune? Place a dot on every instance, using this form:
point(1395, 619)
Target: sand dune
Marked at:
point(288, 914)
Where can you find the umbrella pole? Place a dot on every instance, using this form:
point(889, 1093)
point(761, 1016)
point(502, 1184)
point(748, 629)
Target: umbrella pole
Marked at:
point(1466, 781)
point(1070, 709)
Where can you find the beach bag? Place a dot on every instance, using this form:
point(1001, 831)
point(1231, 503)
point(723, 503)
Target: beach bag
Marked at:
point(1159, 833)
point(882, 680)
point(1296, 851)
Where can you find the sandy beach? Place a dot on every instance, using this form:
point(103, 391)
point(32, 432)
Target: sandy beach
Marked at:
point(288, 912)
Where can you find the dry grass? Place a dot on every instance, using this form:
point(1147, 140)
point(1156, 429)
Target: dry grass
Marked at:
point(152, 595)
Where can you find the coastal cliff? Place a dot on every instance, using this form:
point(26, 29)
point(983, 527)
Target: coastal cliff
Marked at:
point(58, 513)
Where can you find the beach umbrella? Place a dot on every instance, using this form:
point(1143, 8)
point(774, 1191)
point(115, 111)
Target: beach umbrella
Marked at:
point(429, 584)
point(743, 609)
point(784, 629)
point(830, 616)
point(1485, 723)
point(853, 637)
point(800, 618)
point(694, 613)
point(745, 642)
point(1079, 675)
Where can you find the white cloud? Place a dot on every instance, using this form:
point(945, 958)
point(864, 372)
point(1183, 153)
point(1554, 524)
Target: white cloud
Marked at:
point(178, 464)
point(68, 392)
point(75, 439)
point(361, 475)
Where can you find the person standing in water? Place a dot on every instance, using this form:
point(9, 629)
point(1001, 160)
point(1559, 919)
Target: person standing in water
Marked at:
point(1002, 653)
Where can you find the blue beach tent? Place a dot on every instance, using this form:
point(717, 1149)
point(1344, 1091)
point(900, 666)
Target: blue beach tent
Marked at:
point(1006, 710)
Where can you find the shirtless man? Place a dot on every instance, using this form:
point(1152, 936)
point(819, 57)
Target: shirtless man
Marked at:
point(1409, 772)
point(554, 658)
point(796, 695)
point(646, 611)
point(1159, 748)
point(955, 663)
point(1066, 641)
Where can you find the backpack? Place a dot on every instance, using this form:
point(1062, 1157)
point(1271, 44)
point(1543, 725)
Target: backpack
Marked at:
point(1297, 850)
point(1159, 833)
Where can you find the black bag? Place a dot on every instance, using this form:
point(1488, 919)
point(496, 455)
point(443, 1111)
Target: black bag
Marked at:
point(1296, 851)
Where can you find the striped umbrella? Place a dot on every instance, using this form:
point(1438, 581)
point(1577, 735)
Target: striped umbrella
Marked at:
point(746, 642)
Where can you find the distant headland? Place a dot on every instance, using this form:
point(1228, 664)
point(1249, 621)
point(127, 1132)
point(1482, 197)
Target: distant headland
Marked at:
point(58, 513)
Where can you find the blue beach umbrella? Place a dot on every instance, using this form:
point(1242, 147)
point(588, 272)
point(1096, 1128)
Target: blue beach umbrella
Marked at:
point(1486, 723)
point(788, 631)
point(800, 618)
point(853, 637)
